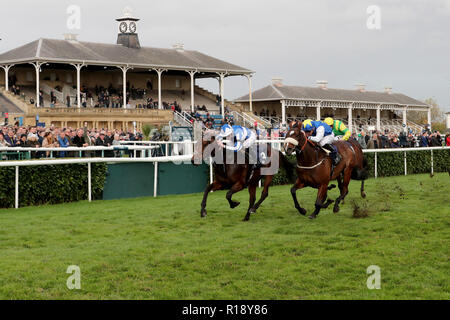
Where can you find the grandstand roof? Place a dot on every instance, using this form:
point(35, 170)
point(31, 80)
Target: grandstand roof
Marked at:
point(283, 92)
point(70, 51)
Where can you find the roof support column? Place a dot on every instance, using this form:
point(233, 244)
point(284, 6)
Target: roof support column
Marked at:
point(405, 122)
point(222, 99)
point(379, 118)
point(37, 66)
point(319, 105)
point(350, 117)
point(283, 113)
point(192, 74)
point(429, 117)
point(78, 67)
point(250, 91)
point(124, 77)
point(6, 68)
point(159, 72)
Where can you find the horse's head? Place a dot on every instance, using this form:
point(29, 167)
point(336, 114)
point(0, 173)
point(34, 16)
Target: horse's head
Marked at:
point(295, 138)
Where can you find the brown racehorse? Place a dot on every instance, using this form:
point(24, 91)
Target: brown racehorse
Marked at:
point(314, 168)
point(236, 177)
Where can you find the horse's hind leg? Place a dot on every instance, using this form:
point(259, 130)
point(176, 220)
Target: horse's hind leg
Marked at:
point(264, 194)
point(236, 188)
point(363, 194)
point(298, 185)
point(320, 201)
point(212, 187)
point(343, 187)
point(252, 192)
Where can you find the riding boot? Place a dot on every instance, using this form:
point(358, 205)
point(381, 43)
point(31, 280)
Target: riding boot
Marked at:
point(334, 155)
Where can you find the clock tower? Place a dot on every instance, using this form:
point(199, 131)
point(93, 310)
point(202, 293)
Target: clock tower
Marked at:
point(127, 30)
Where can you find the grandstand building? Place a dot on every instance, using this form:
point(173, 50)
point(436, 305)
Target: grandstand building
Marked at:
point(59, 81)
point(359, 109)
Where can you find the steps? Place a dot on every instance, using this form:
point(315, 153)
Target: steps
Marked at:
point(11, 103)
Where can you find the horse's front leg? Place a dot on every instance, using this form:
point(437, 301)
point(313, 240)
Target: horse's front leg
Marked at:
point(298, 185)
point(264, 194)
point(212, 187)
point(320, 201)
point(234, 189)
point(252, 193)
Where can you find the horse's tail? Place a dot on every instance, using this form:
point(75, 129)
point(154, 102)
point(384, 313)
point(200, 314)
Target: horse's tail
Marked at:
point(287, 166)
point(361, 171)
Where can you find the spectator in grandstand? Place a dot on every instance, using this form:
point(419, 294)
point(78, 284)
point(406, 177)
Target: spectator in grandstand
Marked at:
point(79, 140)
point(395, 143)
point(63, 142)
point(2, 141)
point(49, 141)
point(11, 140)
point(447, 140)
point(374, 142)
point(424, 140)
point(362, 140)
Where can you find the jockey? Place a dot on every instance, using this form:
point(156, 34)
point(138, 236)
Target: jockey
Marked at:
point(339, 129)
point(322, 134)
point(238, 138)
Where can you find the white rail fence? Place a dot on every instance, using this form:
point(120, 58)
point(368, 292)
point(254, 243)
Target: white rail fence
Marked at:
point(277, 144)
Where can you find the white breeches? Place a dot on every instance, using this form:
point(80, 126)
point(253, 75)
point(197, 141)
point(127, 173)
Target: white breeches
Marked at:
point(327, 140)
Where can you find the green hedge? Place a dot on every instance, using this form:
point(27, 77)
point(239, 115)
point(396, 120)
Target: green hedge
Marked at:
point(40, 185)
point(392, 164)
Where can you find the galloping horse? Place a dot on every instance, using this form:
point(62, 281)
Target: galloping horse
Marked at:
point(237, 177)
point(314, 168)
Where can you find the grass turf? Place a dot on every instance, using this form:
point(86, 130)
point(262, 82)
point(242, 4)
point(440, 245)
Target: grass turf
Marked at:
point(161, 248)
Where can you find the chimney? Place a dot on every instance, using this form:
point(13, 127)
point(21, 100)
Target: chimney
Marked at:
point(70, 37)
point(322, 84)
point(388, 90)
point(277, 81)
point(361, 87)
point(178, 47)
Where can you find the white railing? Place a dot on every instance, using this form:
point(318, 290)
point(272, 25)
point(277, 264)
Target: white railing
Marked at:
point(89, 161)
point(254, 118)
point(145, 150)
point(277, 144)
point(181, 119)
point(47, 89)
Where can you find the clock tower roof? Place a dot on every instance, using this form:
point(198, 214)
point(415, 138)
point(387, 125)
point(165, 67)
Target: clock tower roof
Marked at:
point(127, 15)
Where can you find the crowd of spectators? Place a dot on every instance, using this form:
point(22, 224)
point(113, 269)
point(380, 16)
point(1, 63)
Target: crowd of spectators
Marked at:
point(382, 140)
point(54, 137)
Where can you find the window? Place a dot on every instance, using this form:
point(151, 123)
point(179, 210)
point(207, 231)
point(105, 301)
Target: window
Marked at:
point(177, 83)
point(69, 78)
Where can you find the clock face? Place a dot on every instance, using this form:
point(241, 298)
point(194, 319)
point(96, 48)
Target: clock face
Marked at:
point(123, 27)
point(132, 27)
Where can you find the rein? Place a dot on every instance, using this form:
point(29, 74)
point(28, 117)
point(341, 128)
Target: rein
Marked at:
point(296, 143)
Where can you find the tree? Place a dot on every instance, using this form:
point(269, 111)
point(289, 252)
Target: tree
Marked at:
point(421, 118)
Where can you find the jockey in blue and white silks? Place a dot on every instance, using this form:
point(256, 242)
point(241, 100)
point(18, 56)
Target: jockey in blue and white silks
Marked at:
point(322, 133)
point(241, 138)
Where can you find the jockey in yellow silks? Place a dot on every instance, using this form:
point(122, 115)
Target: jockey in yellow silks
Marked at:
point(339, 129)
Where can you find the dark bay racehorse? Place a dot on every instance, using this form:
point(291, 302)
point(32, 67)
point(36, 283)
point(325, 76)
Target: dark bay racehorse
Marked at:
point(314, 168)
point(236, 177)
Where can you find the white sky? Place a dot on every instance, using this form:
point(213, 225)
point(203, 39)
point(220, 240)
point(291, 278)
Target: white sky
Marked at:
point(301, 41)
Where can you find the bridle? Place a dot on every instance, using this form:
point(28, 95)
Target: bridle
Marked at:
point(296, 143)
